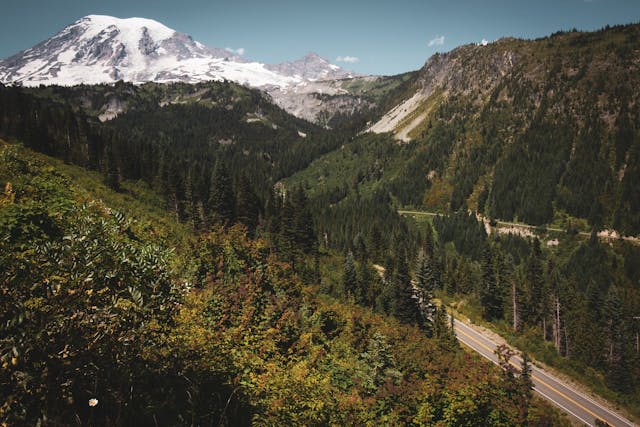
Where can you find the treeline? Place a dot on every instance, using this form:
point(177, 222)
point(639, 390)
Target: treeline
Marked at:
point(210, 162)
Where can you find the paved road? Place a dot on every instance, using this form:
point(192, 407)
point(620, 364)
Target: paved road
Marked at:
point(633, 239)
point(560, 394)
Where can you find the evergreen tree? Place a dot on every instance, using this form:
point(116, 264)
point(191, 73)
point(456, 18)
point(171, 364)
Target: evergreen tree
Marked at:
point(405, 307)
point(429, 245)
point(110, 168)
point(516, 300)
point(273, 212)
point(287, 237)
point(443, 328)
point(526, 380)
point(365, 282)
point(221, 197)
point(247, 203)
point(175, 189)
point(422, 271)
point(526, 390)
point(618, 367)
point(359, 248)
point(376, 245)
point(303, 227)
point(534, 288)
point(380, 362)
point(490, 294)
point(424, 284)
point(189, 208)
point(556, 288)
point(349, 278)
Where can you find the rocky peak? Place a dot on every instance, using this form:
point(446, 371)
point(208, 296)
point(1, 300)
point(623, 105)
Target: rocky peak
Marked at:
point(311, 67)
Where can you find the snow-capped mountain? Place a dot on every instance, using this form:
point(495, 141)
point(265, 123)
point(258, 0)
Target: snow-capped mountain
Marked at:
point(311, 67)
point(103, 49)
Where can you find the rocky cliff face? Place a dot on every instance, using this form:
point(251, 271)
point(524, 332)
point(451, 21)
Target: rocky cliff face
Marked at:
point(471, 71)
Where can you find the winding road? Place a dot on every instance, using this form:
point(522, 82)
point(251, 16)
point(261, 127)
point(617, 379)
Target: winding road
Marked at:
point(562, 395)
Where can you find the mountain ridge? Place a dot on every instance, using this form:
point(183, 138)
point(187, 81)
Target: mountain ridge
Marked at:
point(543, 131)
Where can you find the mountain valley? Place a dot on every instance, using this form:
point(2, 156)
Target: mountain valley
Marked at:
point(193, 238)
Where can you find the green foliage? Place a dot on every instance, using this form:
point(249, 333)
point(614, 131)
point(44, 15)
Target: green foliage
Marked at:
point(464, 230)
point(491, 296)
point(248, 205)
point(221, 196)
point(553, 133)
point(405, 305)
point(349, 278)
point(297, 359)
point(570, 310)
point(93, 309)
point(83, 301)
point(173, 149)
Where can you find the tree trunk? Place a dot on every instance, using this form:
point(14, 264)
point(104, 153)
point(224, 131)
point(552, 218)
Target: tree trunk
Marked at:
point(556, 325)
point(515, 306)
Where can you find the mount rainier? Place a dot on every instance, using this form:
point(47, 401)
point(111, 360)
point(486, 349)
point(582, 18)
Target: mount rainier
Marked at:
point(103, 49)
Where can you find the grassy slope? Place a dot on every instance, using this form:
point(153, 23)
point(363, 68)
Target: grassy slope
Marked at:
point(135, 200)
point(363, 162)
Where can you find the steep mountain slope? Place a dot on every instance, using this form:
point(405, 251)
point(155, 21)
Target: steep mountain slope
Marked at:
point(331, 102)
point(472, 71)
point(539, 131)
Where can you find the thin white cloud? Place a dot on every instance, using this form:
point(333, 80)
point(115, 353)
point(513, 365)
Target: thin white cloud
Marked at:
point(348, 59)
point(437, 41)
point(239, 51)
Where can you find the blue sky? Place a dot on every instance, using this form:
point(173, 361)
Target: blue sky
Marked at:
point(371, 37)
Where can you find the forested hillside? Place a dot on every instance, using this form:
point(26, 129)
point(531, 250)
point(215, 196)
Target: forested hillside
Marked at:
point(173, 148)
point(528, 130)
point(547, 136)
point(193, 253)
point(161, 324)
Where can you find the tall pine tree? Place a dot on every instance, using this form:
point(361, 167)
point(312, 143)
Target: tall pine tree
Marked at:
point(349, 277)
point(534, 286)
point(221, 198)
point(405, 307)
point(248, 205)
point(425, 283)
point(490, 294)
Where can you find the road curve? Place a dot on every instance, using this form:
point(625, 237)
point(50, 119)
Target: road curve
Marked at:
point(546, 385)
